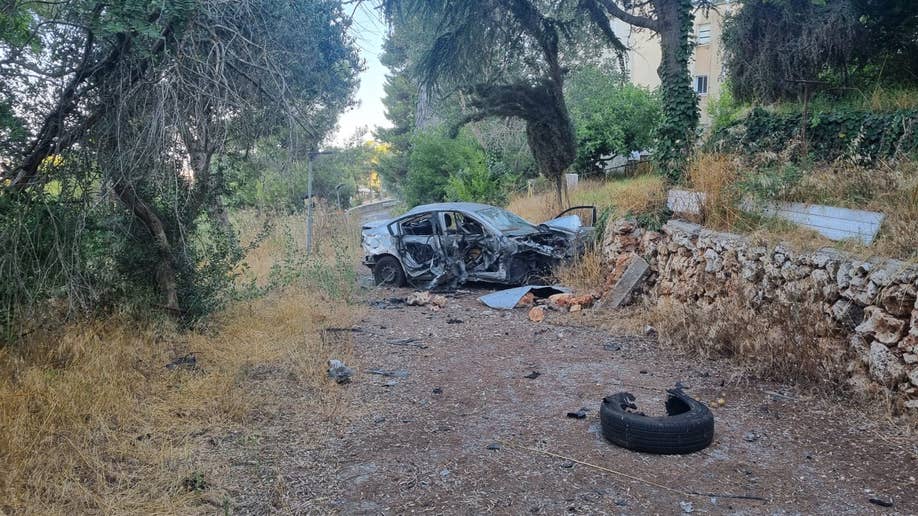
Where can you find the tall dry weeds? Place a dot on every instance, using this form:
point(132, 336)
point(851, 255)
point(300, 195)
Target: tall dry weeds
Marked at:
point(716, 175)
point(786, 342)
point(91, 420)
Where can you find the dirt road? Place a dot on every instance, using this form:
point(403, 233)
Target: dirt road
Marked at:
point(462, 424)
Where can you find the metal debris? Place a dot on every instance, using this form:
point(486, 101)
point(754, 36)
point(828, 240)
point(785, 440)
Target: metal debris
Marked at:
point(339, 372)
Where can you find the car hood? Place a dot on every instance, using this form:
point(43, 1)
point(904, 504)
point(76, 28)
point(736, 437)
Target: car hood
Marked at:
point(570, 223)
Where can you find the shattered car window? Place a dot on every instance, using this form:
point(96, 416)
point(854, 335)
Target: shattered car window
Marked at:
point(506, 222)
point(421, 225)
point(459, 224)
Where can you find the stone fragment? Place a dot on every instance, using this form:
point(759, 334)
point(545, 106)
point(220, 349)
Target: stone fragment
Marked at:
point(884, 366)
point(848, 313)
point(713, 261)
point(339, 372)
point(882, 326)
point(635, 273)
point(537, 314)
point(898, 299)
point(526, 301)
point(913, 377)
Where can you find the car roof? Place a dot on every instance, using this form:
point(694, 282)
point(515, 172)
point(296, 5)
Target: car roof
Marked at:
point(449, 206)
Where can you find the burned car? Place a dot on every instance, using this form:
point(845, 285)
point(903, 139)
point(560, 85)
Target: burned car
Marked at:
point(447, 244)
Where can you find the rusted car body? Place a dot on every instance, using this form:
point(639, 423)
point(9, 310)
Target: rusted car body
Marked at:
point(448, 244)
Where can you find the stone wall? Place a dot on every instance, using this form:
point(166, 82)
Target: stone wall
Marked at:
point(870, 305)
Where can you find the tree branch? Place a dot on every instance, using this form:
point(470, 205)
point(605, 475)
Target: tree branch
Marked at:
point(631, 19)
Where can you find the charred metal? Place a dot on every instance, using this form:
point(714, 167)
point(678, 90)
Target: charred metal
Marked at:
point(445, 245)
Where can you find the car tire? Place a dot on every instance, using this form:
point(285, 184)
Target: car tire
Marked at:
point(687, 427)
point(387, 271)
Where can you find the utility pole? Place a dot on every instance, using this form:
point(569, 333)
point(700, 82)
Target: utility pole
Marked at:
point(309, 200)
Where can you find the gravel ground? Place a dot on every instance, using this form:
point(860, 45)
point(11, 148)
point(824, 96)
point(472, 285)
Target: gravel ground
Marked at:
point(464, 426)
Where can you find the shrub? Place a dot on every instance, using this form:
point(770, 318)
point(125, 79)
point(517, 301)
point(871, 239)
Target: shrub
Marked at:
point(610, 117)
point(859, 136)
point(433, 160)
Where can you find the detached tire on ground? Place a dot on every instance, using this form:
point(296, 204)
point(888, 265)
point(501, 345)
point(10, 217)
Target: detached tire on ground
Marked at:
point(687, 427)
point(388, 272)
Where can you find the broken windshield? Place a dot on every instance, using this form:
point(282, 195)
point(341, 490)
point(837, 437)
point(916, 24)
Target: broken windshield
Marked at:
point(505, 221)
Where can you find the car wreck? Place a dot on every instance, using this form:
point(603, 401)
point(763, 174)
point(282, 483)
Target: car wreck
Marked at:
point(447, 244)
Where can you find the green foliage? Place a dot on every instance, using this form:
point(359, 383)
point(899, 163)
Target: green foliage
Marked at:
point(434, 159)
point(772, 45)
point(97, 211)
point(675, 136)
point(770, 182)
point(611, 117)
point(859, 136)
point(724, 110)
point(271, 179)
point(334, 275)
point(489, 184)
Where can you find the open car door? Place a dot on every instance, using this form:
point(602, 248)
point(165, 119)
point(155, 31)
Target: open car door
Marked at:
point(574, 218)
point(418, 245)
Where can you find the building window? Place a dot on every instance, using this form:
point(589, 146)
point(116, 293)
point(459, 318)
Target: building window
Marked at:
point(704, 34)
point(701, 84)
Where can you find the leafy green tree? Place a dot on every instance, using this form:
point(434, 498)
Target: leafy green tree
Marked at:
point(401, 102)
point(505, 55)
point(490, 184)
point(774, 47)
point(671, 21)
point(612, 117)
point(434, 159)
point(136, 102)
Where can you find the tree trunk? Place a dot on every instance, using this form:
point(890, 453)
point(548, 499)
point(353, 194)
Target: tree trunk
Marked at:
point(680, 103)
point(165, 274)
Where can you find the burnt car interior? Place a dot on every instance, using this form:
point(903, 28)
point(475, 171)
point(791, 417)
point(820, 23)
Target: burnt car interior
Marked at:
point(442, 249)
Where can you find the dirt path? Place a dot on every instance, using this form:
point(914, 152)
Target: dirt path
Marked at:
point(420, 444)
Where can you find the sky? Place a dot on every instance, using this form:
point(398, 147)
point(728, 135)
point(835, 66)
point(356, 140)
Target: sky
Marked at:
point(369, 32)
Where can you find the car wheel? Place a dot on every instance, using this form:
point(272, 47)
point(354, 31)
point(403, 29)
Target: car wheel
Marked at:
point(687, 427)
point(388, 272)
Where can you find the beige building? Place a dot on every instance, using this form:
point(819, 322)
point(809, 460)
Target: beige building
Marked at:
point(706, 66)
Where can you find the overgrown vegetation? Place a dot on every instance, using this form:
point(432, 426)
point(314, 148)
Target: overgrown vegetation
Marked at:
point(93, 421)
point(612, 117)
point(777, 49)
point(121, 125)
point(890, 188)
point(861, 137)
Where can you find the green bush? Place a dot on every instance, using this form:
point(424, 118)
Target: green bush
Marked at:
point(610, 117)
point(860, 136)
point(434, 159)
point(491, 184)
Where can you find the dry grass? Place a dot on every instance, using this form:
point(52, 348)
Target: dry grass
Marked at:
point(636, 195)
point(888, 188)
point(585, 274)
point(786, 342)
point(715, 175)
point(633, 195)
point(92, 421)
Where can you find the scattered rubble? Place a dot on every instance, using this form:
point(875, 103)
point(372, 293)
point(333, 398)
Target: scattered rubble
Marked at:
point(425, 298)
point(339, 372)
